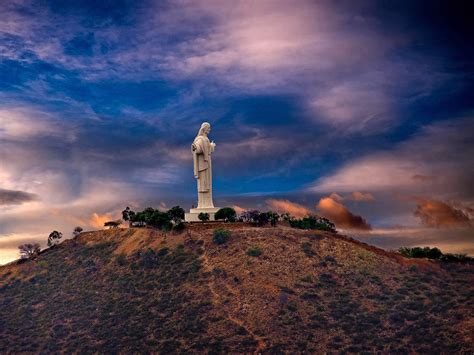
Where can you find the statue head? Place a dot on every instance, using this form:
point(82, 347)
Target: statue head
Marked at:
point(205, 129)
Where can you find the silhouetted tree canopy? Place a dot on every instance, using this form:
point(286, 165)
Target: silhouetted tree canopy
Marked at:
point(29, 250)
point(54, 237)
point(113, 224)
point(203, 216)
point(227, 214)
point(77, 230)
point(176, 214)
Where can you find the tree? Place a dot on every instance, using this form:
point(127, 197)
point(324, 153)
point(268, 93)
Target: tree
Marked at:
point(228, 214)
point(128, 215)
point(273, 217)
point(113, 224)
point(313, 222)
point(263, 219)
point(54, 237)
point(29, 250)
point(286, 217)
point(203, 216)
point(78, 230)
point(251, 216)
point(176, 214)
point(221, 236)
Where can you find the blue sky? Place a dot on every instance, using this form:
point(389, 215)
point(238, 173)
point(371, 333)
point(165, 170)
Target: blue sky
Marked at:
point(355, 110)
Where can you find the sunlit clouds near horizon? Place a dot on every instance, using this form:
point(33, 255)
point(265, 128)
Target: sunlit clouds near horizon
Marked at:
point(358, 111)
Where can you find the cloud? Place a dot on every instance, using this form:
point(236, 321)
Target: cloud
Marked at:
point(97, 220)
point(435, 161)
point(15, 197)
point(354, 196)
point(435, 213)
point(21, 123)
point(238, 209)
point(286, 206)
point(360, 196)
point(340, 215)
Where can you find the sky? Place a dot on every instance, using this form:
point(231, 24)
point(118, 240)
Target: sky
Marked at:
point(360, 111)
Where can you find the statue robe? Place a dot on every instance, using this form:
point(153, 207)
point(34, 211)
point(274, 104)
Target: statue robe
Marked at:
point(202, 150)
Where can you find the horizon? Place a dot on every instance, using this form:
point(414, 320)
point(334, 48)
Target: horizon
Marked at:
point(359, 112)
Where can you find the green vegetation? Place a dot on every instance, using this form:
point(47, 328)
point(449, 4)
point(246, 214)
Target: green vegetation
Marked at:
point(128, 215)
point(179, 227)
point(434, 254)
point(29, 250)
point(113, 224)
point(221, 236)
point(313, 222)
point(307, 248)
point(139, 291)
point(54, 238)
point(203, 216)
point(273, 217)
point(176, 214)
point(254, 251)
point(227, 214)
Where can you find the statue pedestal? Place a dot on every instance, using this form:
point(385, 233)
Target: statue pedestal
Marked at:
point(193, 214)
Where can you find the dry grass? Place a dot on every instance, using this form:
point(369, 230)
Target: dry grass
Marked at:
point(141, 290)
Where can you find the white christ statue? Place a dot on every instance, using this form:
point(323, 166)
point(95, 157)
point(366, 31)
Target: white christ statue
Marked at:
point(202, 149)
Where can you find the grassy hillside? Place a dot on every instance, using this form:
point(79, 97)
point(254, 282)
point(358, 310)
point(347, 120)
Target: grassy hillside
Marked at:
point(140, 290)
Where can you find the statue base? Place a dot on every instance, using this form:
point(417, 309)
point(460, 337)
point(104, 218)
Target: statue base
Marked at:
point(193, 214)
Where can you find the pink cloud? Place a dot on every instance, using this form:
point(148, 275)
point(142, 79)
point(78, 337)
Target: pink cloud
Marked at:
point(340, 215)
point(286, 206)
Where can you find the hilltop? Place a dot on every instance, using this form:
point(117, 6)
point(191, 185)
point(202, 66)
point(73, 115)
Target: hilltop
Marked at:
point(142, 290)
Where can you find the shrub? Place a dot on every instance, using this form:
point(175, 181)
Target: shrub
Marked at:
point(54, 237)
point(159, 220)
point(29, 250)
point(221, 236)
point(128, 215)
point(250, 216)
point(313, 222)
point(203, 216)
point(273, 217)
point(418, 252)
point(77, 230)
point(121, 260)
point(448, 257)
point(227, 214)
point(176, 214)
point(307, 249)
point(254, 251)
point(181, 226)
point(113, 224)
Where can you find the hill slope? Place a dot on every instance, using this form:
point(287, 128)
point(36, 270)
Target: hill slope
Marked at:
point(140, 290)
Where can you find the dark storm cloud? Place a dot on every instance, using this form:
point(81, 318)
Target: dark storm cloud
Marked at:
point(12, 197)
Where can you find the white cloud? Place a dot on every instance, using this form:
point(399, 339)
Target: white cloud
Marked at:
point(440, 153)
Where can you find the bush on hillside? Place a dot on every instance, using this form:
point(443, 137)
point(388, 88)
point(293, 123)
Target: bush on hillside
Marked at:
point(113, 224)
point(179, 227)
point(254, 251)
point(227, 214)
point(434, 254)
point(176, 214)
point(313, 222)
point(29, 250)
point(128, 215)
point(203, 216)
point(273, 217)
point(54, 237)
point(221, 236)
point(77, 230)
